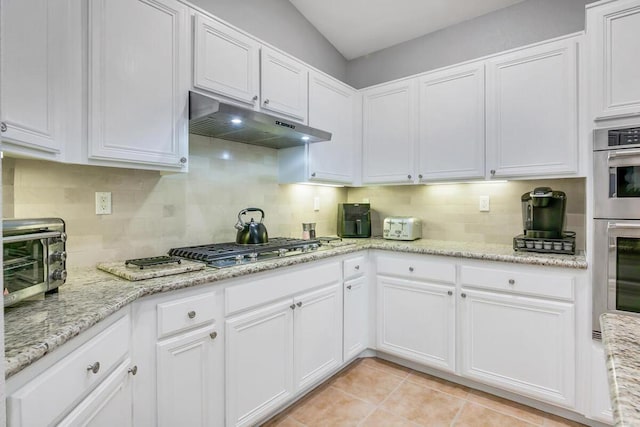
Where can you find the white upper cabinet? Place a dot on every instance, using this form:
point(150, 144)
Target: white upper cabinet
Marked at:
point(532, 104)
point(613, 29)
point(225, 61)
point(138, 82)
point(36, 38)
point(284, 84)
point(451, 124)
point(389, 133)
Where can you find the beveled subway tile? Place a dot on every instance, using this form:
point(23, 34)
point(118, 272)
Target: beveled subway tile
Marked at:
point(423, 405)
point(508, 407)
point(367, 383)
point(473, 415)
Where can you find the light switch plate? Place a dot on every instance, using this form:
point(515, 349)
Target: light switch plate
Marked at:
point(316, 203)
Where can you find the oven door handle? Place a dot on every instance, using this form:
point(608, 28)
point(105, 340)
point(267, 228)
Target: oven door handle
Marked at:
point(622, 153)
point(32, 236)
point(612, 225)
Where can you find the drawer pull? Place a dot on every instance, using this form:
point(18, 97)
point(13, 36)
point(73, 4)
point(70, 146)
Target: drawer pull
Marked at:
point(213, 335)
point(512, 282)
point(463, 295)
point(292, 306)
point(133, 370)
point(94, 368)
point(299, 304)
point(411, 269)
point(349, 287)
point(191, 314)
point(449, 292)
point(357, 267)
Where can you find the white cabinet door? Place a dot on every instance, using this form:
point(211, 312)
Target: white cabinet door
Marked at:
point(317, 335)
point(389, 133)
point(525, 345)
point(110, 404)
point(186, 379)
point(356, 317)
point(451, 142)
point(225, 61)
point(332, 107)
point(416, 320)
point(138, 82)
point(532, 103)
point(600, 401)
point(35, 65)
point(613, 30)
point(284, 85)
point(259, 360)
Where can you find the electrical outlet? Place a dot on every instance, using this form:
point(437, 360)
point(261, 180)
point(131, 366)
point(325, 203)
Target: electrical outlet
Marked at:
point(103, 203)
point(484, 204)
point(316, 203)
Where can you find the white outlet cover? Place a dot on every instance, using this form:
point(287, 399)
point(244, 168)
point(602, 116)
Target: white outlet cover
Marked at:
point(103, 203)
point(484, 205)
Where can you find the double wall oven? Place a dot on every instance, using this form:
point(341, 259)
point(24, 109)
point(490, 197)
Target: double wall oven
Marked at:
point(616, 256)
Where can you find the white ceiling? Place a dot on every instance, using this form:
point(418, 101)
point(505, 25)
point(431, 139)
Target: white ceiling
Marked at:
point(359, 27)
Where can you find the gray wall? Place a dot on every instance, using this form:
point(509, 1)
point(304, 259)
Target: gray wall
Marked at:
point(279, 23)
point(523, 23)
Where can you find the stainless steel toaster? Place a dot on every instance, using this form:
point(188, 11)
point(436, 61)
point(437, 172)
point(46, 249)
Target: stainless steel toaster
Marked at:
point(402, 228)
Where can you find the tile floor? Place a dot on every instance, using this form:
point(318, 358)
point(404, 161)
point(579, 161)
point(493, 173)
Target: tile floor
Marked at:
point(373, 392)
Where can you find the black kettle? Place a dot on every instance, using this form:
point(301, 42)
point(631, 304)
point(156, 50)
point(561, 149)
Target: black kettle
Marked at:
point(252, 233)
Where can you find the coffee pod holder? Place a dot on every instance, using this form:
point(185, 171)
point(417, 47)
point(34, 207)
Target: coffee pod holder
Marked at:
point(566, 245)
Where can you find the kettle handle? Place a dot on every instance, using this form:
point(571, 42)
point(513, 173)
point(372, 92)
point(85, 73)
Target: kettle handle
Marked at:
point(244, 211)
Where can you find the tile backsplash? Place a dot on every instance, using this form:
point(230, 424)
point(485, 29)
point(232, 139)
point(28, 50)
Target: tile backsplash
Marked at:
point(154, 212)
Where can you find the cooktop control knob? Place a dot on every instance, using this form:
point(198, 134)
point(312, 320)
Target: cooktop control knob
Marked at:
point(58, 256)
point(59, 275)
point(253, 256)
point(314, 247)
point(282, 252)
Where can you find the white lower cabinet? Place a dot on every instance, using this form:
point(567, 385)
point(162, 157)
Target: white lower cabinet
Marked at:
point(356, 317)
point(281, 349)
point(600, 399)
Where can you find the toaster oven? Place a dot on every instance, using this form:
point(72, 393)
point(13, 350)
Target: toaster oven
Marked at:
point(34, 257)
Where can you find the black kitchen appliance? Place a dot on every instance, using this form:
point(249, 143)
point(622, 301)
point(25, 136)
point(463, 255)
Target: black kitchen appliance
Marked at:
point(354, 220)
point(543, 216)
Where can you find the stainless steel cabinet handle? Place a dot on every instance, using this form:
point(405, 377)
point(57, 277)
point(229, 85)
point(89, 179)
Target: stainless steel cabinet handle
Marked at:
point(213, 335)
point(94, 368)
point(191, 314)
point(512, 282)
point(255, 97)
point(420, 176)
point(409, 176)
point(357, 267)
point(349, 287)
point(313, 174)
point(411, 269)
point(3, 127)
point(463, 295)
point(183, 160)
point(266, 101)
point(292, 306)
point(299, 304)
point(449, 292)
point(133, 370)
point(492, 171)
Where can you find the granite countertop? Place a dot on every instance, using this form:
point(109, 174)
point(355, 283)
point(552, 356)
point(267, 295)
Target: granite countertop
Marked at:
point(35, 328)
point(621, 340)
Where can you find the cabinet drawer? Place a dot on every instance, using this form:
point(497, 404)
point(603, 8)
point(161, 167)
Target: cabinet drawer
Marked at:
point(354, 267)
point(185, 313)
point(50, 394)
point(418, 269)
point(538, 284)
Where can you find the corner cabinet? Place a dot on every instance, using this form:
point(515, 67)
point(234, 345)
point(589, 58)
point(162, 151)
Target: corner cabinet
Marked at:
point(138, 82)
point(35, 85)
point(451, 124)
point(613, 31)
point(532, 111)
point(389, 133)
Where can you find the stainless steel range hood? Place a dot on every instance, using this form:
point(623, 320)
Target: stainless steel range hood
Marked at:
point(210, 117)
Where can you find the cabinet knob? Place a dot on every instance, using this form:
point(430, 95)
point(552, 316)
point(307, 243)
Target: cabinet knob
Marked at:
point(349, 287)
point(133, 370)
point(183, 160)
point(292, 306)
point(420, 176)
point(411, 269)
point(463, 295)
point(492, 172)
point(255, 97)
point(3, 127)
point(94, 368)
point(299, 304)
point(409, 176)
point(213, 335)
point(449, 293)
point(313, 174)
point(512, 282)
point(357, 267)
point(191, 314)
point(266, 101)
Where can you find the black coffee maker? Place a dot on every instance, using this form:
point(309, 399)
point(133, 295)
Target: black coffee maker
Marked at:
point(543, 212)
point(354, 220)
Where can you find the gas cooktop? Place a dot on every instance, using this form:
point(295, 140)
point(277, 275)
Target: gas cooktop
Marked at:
point(221, 255)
